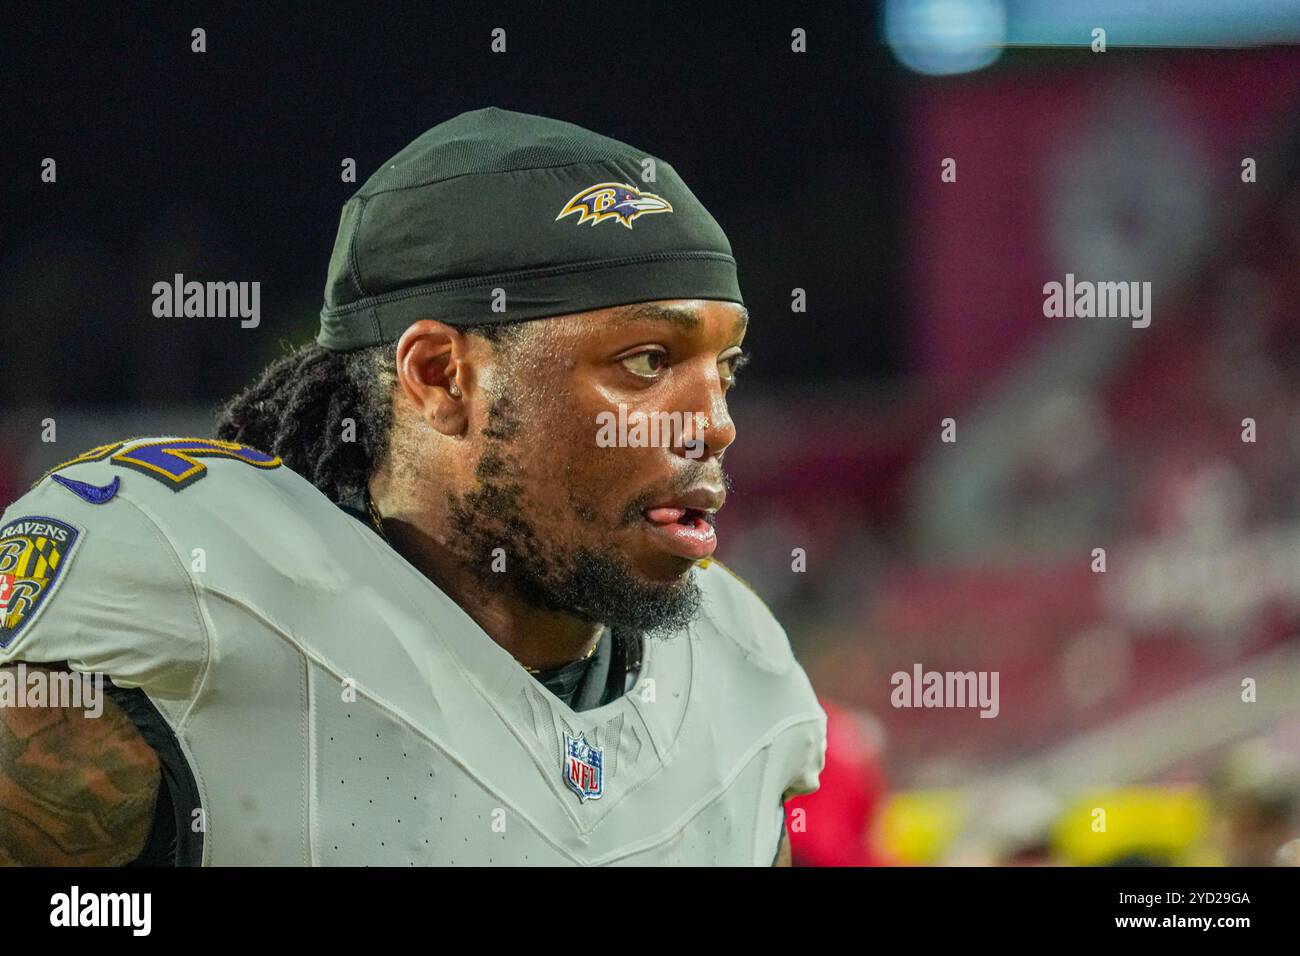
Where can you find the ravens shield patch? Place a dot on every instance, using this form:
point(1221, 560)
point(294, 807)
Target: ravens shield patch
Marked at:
point(34, 551)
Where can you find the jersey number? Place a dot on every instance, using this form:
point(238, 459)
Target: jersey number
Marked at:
point(173, 461)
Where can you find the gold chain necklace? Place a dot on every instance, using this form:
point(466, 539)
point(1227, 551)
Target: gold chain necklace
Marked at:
point(587, 656)
point(378, 522)
point(375, 519)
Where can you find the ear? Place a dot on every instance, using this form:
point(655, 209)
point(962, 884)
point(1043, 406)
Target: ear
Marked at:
point(435, 372)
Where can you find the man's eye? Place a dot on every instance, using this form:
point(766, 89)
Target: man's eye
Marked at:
point(645, 364)
point(733, 365)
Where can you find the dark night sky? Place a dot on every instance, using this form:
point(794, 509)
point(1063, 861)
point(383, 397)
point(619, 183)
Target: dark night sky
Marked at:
point(225, 165)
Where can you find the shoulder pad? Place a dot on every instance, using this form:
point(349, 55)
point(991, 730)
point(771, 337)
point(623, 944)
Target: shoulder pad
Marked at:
point(96, 583)
point(738, 612)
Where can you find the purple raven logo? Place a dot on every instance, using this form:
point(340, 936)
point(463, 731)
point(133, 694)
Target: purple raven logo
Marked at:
point(620, 201)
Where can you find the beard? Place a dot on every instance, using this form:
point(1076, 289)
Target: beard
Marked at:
point(596, 584)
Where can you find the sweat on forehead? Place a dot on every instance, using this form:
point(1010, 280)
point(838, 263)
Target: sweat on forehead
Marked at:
point(683, 317)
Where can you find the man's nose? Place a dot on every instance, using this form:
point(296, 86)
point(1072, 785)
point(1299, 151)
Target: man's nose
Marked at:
point(710, 429)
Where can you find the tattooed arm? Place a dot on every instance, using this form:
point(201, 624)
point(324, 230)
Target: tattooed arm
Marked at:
point(74, 790)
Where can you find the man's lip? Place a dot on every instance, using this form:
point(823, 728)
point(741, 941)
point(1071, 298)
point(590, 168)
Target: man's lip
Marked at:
point(685, 534)
point(697, 499)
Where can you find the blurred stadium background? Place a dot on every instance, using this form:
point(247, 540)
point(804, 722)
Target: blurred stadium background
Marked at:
point(1119, 690)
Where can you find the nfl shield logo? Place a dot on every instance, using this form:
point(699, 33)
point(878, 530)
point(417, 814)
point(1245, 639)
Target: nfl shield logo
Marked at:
point(582, 768)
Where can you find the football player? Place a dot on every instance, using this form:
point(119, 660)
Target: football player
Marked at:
point(418, 602)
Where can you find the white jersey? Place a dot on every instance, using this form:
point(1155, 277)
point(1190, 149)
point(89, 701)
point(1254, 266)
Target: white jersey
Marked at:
point(330, 705)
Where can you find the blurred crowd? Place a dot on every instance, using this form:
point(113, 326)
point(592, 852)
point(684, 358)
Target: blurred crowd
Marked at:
point(1115, 529)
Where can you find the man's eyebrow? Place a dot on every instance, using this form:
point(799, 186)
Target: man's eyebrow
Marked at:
point(685, 320)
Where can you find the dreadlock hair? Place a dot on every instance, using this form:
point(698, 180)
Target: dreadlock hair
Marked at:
point(299, 406)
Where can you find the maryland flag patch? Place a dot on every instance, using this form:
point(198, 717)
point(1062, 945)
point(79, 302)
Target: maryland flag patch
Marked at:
point(33, 554)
